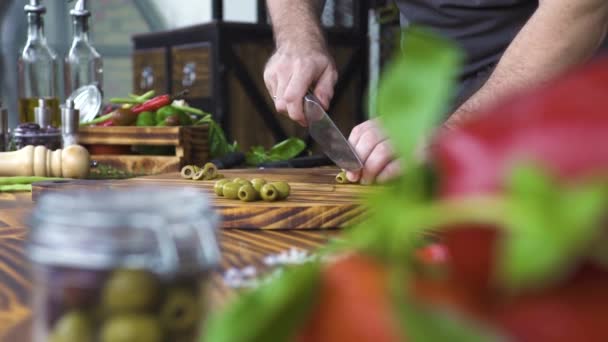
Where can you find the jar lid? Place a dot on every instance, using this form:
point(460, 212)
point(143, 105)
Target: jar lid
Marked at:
point(31, 129)
point(163, 230)
point(87, 99)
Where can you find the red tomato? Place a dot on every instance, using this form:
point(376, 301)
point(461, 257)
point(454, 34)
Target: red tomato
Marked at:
point(354, 304)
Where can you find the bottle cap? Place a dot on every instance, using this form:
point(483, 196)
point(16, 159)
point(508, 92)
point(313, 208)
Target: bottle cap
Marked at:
point(80, 9)
point(87, 99)
point(70, 118)
point(42, 114)
point(35, 6)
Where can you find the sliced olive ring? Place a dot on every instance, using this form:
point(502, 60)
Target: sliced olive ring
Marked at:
point(188, 171)
point(199, 175)
point(210, 171)
point(341, 178)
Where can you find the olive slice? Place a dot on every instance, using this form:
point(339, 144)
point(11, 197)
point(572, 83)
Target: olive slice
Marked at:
point(188, 171)
point(199, 175)
point(341, 178)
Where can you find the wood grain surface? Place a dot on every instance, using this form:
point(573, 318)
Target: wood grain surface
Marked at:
point(240, 248)
point(316, 201)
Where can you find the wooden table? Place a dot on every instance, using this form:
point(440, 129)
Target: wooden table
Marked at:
point(240, 248)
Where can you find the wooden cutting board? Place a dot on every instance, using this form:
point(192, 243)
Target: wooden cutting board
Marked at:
point(316, 200)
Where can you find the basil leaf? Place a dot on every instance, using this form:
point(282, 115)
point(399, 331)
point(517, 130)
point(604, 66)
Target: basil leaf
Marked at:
point(553, 223)
point(287, 149)
point(271, 312)
point(416, 89)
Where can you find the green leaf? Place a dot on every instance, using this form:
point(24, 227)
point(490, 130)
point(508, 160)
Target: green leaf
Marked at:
point(271, 312)
point(416, 89)
point(551, 227)
point(425, 324)
point(287, 149)
point(284, 150)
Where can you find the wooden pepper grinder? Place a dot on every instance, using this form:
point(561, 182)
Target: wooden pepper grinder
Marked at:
point(71, 162)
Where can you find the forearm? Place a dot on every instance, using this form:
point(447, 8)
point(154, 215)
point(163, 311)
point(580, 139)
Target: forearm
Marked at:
point(296, 22)
point(561, 34)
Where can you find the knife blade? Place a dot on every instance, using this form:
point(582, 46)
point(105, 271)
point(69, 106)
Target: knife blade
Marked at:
point(325, 132)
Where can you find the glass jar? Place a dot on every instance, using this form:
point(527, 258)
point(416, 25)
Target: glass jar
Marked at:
point(32, 134)
point(129, 264)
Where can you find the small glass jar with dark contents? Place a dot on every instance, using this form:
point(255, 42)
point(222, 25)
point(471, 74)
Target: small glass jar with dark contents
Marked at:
point(122, 265)
point(32, 134)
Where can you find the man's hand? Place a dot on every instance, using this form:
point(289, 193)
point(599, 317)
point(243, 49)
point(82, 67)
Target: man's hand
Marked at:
point(376, 153)
point(301, 61)
point(291, 72)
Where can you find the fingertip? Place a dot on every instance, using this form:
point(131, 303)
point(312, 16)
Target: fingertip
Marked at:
point(352, 177)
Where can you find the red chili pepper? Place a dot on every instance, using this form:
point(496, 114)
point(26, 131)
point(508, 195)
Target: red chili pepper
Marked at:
point(107, 123)
point(156, 103)
point(563, 126)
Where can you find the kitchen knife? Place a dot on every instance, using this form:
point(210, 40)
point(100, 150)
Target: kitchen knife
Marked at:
point(298, 162)
point(229, 160)
point(324, 131)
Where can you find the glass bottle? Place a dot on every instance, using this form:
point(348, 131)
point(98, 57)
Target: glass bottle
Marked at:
point(38, 68)
point(83, 64)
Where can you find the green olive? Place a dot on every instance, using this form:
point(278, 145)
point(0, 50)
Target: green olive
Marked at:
point(247, 193)
point(341, 178)
point(188, 171)
point(199, 175)
point(130, 291)
point(210, 171)
point(239, 180)
point(131, 328)
point(219, 186)
point(231, 190)
point(258, 183)
point(74, 326)
point(283, 188)
point(269, 193)
point(180, 311)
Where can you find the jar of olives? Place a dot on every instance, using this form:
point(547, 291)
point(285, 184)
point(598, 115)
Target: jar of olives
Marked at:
point(32, 134)
point(128, 264)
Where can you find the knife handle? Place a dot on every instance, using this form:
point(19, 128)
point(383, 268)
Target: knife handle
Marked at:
point(300, 162)
point(229, 160)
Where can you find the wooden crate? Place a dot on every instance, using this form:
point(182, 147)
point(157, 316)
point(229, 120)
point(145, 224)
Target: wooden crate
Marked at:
point(190, 142)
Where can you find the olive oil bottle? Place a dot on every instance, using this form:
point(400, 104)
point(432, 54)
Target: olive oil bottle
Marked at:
point(38, 68)
point(83, 65)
